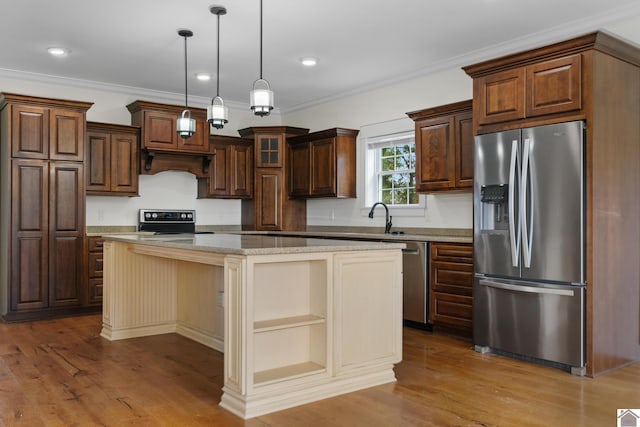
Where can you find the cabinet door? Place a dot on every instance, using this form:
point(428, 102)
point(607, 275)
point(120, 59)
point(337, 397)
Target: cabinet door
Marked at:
point(124, 163)
point(66, 233)
point(435, 168)
point(29, 132)
point(159, 131)
point(218, 182)
point(199, 142)
point(66, 135)
point(322, 157)
point(268, 151)
point(242, 171)
point(98, 162)
point(554, 86)
point(500, 96)
point(268, 198)
point(464, 150)
point(299, 170)
point(29, 229)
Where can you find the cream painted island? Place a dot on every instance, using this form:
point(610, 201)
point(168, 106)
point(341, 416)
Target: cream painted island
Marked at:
point(298, 319)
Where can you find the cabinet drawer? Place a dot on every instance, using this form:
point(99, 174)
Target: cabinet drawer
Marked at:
point(452, 310)
point(95, 264)
point(459, 252)
point(95, 244)
point(452, 278)
point(95, 291)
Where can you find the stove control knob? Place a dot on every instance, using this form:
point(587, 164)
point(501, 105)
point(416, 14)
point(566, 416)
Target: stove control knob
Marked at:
point(147, 215)
point(183, 215)
point(154, 215)
point(190, 215)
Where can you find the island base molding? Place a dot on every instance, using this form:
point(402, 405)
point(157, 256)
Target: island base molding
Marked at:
point(194, 334)
point(265, 403)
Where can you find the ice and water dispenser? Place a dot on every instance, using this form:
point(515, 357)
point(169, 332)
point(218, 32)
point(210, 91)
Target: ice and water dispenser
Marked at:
point(494, 209)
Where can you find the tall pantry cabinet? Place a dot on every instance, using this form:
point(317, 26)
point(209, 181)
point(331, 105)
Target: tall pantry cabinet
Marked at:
point(42, 206)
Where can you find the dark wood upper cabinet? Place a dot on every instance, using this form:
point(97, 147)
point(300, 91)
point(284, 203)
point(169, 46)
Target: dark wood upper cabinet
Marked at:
point(230, 171)
point(66, 135)
point(444, 148)
point(158, 127)
point(112, 159)
point(545, 87)
point(29, 132)
point(554, 86)
point(323, 164)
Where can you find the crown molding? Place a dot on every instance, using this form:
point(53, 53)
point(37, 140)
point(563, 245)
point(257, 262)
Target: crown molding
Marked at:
point(134, 92)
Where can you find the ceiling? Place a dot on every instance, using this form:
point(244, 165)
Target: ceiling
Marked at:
point(360, 44)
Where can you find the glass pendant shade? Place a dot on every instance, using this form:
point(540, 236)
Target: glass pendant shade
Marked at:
point(185, 125)
point(217, 113)
point(261, 99)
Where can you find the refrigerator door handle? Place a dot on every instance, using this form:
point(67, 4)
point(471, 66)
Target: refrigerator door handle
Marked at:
point(514, 234)
point(527, 226)
point(530, 289)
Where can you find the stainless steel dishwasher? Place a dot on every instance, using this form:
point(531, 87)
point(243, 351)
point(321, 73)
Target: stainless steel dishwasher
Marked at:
point(415, 282)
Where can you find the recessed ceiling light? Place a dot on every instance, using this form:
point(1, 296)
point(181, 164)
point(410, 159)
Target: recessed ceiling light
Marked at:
point(203, 77)
point(58, 51)
point(309, 62)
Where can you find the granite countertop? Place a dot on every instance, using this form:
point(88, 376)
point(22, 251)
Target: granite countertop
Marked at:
point(251, 244)
point(447, 238)
point(342, 233)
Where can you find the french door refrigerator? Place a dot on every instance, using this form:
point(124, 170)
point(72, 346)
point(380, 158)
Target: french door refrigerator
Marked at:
point(529, 255)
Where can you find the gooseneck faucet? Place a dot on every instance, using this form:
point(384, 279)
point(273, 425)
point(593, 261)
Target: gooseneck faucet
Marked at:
point(387, 225)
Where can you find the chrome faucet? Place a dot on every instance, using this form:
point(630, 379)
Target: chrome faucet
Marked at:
point(387, 225)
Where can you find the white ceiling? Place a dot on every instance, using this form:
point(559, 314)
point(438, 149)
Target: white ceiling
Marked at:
point(361, 44)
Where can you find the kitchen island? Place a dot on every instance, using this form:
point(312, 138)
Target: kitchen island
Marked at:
point(298, 319)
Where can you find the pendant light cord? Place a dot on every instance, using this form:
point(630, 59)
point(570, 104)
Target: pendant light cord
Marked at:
point(260, 39)
point(218, 61)
point(186, 90)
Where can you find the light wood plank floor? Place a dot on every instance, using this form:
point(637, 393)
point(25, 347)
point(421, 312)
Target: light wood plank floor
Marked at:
point(61, 373)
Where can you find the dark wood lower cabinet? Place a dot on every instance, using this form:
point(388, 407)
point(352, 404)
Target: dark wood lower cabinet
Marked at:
point(451, 290)
point(95, 268)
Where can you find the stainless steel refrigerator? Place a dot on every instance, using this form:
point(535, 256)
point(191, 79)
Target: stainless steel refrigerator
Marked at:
point(529, 255)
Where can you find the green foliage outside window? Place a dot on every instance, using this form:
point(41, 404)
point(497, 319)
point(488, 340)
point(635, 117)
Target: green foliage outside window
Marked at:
point(397, 175)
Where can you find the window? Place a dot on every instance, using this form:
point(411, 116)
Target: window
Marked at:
point(391, 160)
point(397, 174)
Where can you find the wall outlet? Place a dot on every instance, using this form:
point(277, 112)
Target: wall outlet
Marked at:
point(220, 301)
point(100, 215)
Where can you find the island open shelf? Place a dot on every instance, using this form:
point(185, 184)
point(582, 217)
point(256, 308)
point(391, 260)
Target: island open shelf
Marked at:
point(297, 319)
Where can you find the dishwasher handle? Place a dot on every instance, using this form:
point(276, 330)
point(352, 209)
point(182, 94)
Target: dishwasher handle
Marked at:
point(410, 251)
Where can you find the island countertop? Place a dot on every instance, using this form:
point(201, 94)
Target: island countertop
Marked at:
point(244, 244)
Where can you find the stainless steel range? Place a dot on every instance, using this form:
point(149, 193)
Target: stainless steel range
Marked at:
point(168, 221)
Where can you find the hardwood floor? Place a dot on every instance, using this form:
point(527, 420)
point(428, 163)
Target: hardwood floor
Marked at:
point(62, 373)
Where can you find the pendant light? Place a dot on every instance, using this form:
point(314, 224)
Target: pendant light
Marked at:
point(185, 125)
point(261, 97)
point(217, 112)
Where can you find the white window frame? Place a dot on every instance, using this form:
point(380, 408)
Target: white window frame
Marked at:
point(372, 138)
